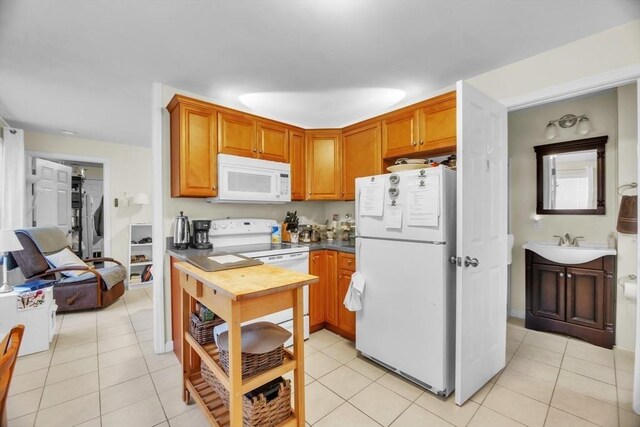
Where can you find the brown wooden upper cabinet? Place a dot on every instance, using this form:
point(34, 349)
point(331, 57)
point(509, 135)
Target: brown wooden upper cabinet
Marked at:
point(427, 128)
point(324, 165)
point(298, 165)
point(237, 135)
point(273, 142)
point(361, 156)
point(193, 148)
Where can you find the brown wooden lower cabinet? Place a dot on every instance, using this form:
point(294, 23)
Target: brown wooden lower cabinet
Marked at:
point(577, 300)
point(346, 318)
point(317, 267)
point(326, 308)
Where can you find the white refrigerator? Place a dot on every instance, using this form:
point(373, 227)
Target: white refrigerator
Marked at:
point(405, 237)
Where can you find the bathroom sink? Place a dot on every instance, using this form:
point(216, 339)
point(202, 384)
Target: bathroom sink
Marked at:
point(569, 254)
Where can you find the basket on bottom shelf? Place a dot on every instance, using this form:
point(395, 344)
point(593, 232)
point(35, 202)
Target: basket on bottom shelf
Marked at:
point(268, 405)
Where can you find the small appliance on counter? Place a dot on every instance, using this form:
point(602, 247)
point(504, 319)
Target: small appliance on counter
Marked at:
point(305, 233)
point(200, 238)
point(181, 232)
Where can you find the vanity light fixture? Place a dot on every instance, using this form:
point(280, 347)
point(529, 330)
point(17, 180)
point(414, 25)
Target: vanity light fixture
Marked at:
point(567, 121)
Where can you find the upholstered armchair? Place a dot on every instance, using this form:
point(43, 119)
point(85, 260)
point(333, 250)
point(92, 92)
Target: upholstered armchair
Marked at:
point(78, 287)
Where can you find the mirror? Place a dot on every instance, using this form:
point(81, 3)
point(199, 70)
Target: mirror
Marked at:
point(570, 177)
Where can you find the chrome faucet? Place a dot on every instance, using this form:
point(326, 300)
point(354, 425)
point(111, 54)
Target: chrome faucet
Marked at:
point(567, 241)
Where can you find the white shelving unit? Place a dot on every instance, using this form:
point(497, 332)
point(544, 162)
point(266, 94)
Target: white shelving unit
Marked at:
point(136, 233)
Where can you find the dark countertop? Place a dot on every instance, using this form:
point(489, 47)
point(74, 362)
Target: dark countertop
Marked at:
point(336, 245)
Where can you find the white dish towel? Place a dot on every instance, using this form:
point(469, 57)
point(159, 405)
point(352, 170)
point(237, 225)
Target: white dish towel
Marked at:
point(353, 298)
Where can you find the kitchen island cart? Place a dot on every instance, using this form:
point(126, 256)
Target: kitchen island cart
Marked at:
point(237, 296)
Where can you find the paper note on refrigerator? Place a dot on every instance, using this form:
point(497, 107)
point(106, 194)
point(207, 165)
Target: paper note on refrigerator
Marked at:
point(372, 199)
point(393, 216)
point(424, 204)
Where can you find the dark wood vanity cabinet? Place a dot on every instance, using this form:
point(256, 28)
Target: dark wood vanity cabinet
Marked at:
point(577, 300)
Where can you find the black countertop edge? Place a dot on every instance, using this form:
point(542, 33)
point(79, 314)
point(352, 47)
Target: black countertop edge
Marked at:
point(335, 245)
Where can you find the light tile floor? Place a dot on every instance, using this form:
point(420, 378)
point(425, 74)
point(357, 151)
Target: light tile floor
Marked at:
point(101, 371)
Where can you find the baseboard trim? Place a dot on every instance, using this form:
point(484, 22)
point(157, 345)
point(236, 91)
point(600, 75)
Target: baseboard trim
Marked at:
point(517, 313)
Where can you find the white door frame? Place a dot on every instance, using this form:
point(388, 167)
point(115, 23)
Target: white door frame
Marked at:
point(160, 343)
point(571, 89)
point(106, 179)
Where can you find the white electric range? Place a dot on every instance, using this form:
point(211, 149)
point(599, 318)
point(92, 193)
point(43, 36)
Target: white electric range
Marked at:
point(252, 238)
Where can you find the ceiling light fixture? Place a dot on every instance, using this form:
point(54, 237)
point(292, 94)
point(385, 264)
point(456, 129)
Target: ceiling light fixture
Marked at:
point(67, 132)
point(324, 108)
point(567, 121)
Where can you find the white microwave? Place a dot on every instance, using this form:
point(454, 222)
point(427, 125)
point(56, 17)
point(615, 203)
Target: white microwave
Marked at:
point(246, 180)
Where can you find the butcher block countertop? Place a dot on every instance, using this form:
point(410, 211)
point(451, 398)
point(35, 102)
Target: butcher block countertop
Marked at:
point(249, 282)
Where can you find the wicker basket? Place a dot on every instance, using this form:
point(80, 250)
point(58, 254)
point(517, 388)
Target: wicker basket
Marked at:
point(256, 411)
point(203, 331)
point(254, 363)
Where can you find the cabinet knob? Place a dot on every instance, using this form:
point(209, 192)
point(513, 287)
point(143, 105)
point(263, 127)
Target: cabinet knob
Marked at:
point(214, 188)
point(260, 151)
point(255, 149)
point(421, 142)
point(413, 144)
point(569, 275)
point(309, 192)
point(561, 274)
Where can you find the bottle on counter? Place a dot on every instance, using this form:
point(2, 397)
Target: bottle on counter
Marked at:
point(276, 234)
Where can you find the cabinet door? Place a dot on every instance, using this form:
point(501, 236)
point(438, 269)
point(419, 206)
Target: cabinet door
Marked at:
point(399, 134)
point(193, 151)
point(317, 267)
point(331, 302)
point(273, 142)
point(324, 176)
point(361, 156)
point(237, 135)
point(298, 167)
point(548, 291)
point(585, 297)
point(346, 318)
point(437, 124)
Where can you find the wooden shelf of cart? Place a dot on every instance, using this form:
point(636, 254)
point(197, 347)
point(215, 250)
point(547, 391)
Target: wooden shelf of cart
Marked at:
point(237, 296)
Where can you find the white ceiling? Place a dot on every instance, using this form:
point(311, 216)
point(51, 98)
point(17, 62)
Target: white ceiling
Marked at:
point(88, 66)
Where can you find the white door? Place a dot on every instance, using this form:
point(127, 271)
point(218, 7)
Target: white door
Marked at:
point(481, 299)
point(52, 195)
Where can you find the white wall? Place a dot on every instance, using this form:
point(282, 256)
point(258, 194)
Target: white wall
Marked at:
point(627, 243)
point(130, 174)
point(600, 53)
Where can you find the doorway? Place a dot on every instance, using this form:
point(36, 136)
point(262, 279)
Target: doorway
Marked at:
point(69, 191)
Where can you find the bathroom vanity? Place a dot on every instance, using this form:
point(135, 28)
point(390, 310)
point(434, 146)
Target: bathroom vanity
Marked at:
point(576, 297)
